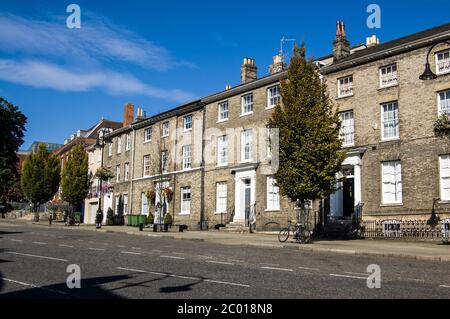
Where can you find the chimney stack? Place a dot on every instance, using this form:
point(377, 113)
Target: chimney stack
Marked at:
point(341, 46)
point(128, 114)
point(277, 65)
point(249, 71)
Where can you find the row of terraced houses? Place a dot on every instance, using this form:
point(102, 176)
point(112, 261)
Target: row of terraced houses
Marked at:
point(216, 159)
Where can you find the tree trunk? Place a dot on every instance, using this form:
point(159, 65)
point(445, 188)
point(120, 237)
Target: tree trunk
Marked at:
point(36, 212)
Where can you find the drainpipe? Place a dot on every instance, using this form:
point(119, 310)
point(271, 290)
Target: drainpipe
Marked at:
point(202, 171)
point(132, 170)
point(174, 201)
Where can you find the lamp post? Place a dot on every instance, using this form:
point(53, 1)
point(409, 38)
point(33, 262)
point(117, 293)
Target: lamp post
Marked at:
point(428, 75)
point(103, 138)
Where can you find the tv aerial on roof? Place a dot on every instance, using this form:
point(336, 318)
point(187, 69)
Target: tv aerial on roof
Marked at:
point(283, 41)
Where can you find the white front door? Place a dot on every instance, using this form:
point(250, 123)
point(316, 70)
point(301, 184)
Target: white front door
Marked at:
point(94, 208)
point(107, 204)
point(245, 194)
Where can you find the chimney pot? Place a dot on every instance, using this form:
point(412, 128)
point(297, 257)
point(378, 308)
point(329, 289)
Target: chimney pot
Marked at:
point(128, 114)
point(341, 46)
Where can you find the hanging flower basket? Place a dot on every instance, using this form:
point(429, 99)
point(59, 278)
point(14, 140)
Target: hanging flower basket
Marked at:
point(107, 188)
point(104, 174)
point(168, 192)
point(442, 126)
point(151, 196)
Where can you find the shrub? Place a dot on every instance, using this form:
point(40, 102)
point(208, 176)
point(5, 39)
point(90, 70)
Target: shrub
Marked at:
point(150, 219)
point(167, 219)
point(110, 217)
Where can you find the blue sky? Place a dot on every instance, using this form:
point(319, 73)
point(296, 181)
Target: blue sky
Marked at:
point(159, 54)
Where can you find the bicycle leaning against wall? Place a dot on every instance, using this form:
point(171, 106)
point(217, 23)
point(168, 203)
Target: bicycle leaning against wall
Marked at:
point(300, 233)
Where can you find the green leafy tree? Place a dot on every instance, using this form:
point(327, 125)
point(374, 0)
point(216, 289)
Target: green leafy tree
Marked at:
point(40, 178)
point(309, 144)
point(75, 181)
point(12, 129)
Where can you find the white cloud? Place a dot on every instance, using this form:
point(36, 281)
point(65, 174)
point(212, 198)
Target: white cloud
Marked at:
point(40, 74)
point(97, 39)
point(47, 54)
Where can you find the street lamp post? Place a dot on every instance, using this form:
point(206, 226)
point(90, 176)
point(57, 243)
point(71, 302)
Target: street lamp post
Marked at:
point(428, 74)
point(103, 138)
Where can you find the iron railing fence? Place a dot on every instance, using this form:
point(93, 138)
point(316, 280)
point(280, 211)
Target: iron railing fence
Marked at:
point(416, 229)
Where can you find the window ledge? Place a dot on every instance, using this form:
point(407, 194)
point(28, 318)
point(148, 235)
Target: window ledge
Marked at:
point(147, 142)
point(392, 205)
point(216, 213)
point(272, 210)
point(184, 214)
point(246, 114)
point(387, 87)
point(344, 97)
point(222, 121)
point(390, 139)
point(270, 107)
point(222, 166)
point(443, 73)
point(188, 130)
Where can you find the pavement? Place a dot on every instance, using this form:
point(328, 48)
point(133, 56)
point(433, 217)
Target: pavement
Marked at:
point(35, 260)
point(420, 250)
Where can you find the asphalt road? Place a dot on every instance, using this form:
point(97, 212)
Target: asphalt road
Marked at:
point(34, 261)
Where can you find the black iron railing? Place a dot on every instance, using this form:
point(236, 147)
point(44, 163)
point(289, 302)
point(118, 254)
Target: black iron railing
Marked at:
point(418, 229)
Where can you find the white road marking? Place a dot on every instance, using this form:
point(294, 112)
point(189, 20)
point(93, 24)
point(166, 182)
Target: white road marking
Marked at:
point(307, 268)
point(136, 248)
point(219, 262)
point(17, 240)
point(68, 246)
point(121, 246)
point(175, 253)
point(348, 276)
point(34, 286)
point(273, 265)
point(39, 243)
point(355, 273)
point(226, 283)
point(171, 257)
point(444, 286)
point(130, 253)
point(36, 256)
point(275, 268)
point(184, 277)
point(416, 280)
point(97, 249)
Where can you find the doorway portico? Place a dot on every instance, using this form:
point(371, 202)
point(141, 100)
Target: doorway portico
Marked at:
point(245, 193)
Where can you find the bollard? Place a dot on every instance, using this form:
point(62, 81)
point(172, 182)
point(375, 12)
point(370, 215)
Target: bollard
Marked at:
point(141, 227)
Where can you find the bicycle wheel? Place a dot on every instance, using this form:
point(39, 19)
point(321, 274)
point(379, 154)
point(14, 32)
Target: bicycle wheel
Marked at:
point(283, 235)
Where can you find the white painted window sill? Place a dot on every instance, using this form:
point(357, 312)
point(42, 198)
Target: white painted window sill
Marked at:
point(222, 165)
point(184, 214)
point(392, 205)
point(188, 130)
point(146, 142)
point(216, 213)
point(246, 114)
point(272, 210)
point(344, 96)
point(387, 86)
point(390, 139)
point(222, 121)
point(270, 107)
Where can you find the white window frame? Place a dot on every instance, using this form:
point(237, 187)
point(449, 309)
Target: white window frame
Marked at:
point(222, 150)
point(165, 161)
point(221, 197)
point(444, 177)
point(118, 173)
point(187, 157)
point(127, 142)
point(110, 149)
point(99, 155)
point(127, 172)
point(117, 204)
point(396, 119)
point(148, 134)
point(341, 83)
point(247, 102)
point(146, 164)
point(273, 99)
point(445, 63)
point(165, 129)
point(347, 131)
point(185, 201)
point(272, 195)
point(119, 145)
point(246, 145)
point(390, 78)
point(144, 204)
point(187, 125)
point(125, 204)
point(222, 113)
point(446, 93)
point(397, 183)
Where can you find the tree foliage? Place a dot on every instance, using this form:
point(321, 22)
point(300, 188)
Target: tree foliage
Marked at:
point(41, 175)
point(308, 126)
point(11, 138)
point(75, 179)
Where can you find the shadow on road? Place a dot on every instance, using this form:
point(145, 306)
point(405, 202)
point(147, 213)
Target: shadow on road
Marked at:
point(91, 289)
